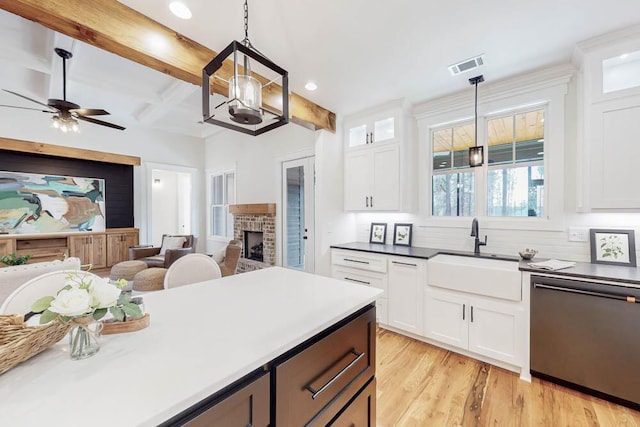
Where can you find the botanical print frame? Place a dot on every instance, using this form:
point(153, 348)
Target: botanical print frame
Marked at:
point(378, 233)
point(402, 234)
point(615, 247)
point(36, 203)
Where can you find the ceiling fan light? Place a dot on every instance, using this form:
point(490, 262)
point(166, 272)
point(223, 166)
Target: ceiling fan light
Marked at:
point(55, 122)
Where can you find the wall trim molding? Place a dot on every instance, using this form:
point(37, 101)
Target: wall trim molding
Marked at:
point(68, 152)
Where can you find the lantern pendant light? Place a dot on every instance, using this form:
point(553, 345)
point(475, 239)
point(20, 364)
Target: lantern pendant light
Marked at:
point(246, 111)
point(476, 154)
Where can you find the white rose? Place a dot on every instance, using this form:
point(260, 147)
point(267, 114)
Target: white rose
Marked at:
point(71, 302)
point(103, 294)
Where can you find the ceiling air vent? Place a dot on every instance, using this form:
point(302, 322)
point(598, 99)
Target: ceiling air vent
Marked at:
point(467, 64)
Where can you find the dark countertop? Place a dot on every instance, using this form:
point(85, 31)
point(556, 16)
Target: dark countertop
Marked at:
point(583, 270)
point(586, 270)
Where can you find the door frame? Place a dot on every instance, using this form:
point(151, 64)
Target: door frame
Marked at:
point(297, 155)
point(149, 168)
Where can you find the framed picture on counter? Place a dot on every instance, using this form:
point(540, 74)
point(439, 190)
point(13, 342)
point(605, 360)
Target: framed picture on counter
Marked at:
point(615, 247)
point(402, 234)
point(378, 233)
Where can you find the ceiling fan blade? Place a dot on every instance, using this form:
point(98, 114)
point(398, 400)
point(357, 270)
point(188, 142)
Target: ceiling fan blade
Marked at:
point(100, 122)
point(89, 112)
point(27, 108)
point(29, 99)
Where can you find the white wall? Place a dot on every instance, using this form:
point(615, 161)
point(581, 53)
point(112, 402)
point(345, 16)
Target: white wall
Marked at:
point(149, 145)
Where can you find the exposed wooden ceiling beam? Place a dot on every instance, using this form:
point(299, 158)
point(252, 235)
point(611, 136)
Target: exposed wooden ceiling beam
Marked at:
point(68, 152)
point(114, 27)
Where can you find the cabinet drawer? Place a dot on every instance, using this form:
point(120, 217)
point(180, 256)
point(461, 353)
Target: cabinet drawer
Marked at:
point(360, 260)
point(329, 372)
point(377, 280)
point(247, 406)
point(361, 411)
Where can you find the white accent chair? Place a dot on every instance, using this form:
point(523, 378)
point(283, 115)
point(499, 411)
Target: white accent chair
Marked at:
point(11, 278)
point(192, 268)
point(20, 300)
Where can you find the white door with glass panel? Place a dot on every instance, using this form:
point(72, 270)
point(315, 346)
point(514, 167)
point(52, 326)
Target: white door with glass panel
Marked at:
point(298, 186)
point(222, 193)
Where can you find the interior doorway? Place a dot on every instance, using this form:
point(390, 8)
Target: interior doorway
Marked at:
point(298, 222)
point(171, 201)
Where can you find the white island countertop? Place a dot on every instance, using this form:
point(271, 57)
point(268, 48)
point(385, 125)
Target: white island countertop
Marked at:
point(202, 337)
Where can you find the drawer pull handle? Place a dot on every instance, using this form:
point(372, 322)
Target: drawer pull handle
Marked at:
point(315, 393)
point(404, 263)
point(355, 260)
point(358, 281)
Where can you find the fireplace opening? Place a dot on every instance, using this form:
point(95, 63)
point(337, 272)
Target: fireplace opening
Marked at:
point(253, 245)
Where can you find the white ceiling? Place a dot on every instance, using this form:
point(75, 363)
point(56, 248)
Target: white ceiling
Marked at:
point(360, 53)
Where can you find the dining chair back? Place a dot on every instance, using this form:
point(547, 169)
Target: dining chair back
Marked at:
point(191, 268)
point(20, 300)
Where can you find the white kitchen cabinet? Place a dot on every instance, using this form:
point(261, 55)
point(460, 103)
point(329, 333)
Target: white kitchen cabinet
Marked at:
point(372, 128)
point(445, 318)
point(372, 179)
point(365, 269)
point(495, 329)
point(379, 160)
point(407, 277)
point(481, 325)
point(609, 102)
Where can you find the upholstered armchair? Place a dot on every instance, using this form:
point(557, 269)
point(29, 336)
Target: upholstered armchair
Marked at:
point(173, 247)
point(232, 254)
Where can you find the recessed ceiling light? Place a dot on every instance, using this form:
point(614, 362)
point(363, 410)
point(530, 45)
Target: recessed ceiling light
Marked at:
point(180, 9)
point(311, 86)
point(624, 56)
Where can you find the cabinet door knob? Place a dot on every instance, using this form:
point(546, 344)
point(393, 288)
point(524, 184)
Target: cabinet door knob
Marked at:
point(367, 137)
point(372, 137)
point(371, 201)
point(366, 201)
point(464, 308)
point(471, 314)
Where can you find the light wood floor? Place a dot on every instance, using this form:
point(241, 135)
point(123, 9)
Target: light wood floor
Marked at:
point(423, 385)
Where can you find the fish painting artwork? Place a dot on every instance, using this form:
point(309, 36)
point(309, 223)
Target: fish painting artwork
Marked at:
point(34, 203)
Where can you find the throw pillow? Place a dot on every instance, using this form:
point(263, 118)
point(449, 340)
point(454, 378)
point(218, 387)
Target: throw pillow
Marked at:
point(172, 242)
point(218, 256)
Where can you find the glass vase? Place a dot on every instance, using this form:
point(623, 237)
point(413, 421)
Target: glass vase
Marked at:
point(84, 337)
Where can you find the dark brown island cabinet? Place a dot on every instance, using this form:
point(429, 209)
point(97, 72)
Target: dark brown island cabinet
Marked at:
point(329, 380)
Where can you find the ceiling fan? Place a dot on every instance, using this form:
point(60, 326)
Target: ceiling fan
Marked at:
point(64, 112)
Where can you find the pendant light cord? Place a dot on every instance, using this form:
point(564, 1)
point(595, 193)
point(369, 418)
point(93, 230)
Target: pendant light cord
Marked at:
point(476, 116)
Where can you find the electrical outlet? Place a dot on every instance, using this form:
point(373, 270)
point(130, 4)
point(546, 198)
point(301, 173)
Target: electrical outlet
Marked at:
point(578, 234)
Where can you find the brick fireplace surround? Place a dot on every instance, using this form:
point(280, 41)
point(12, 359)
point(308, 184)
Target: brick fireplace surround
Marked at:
point(256, 217)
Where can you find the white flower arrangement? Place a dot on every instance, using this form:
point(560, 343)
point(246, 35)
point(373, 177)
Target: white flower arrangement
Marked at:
point(83, 295)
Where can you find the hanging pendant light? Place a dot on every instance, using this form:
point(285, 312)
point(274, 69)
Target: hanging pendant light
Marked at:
point(244, 106)
point(476, 154)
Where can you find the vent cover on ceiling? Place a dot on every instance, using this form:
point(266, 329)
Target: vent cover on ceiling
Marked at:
point(467, 64)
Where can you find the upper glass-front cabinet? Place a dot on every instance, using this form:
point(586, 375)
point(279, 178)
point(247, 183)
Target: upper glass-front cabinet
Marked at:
point(621, 72)
point(378, 128)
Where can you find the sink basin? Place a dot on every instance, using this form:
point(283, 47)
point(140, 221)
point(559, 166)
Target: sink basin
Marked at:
point(485, 275)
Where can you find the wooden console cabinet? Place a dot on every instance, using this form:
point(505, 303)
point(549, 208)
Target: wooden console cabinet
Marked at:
point(118, 242)
point(90, 249)
point(100, 249)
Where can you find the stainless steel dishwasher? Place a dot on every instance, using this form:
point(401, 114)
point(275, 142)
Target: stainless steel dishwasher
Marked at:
point(586, 335)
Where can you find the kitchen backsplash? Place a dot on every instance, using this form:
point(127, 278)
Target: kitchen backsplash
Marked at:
point(550, 244)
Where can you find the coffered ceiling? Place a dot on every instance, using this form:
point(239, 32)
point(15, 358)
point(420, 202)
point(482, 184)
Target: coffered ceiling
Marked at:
point(360, 53)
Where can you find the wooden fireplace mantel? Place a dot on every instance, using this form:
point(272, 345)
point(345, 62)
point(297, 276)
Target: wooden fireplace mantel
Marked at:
point(254, 209)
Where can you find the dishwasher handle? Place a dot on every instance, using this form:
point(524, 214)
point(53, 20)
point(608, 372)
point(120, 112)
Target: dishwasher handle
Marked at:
point(630, 299)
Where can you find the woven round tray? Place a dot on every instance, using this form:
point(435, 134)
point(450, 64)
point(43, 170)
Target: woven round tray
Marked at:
point(19, 342)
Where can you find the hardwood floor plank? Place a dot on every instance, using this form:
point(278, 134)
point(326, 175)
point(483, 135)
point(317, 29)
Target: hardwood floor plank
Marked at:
point(423, 385)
